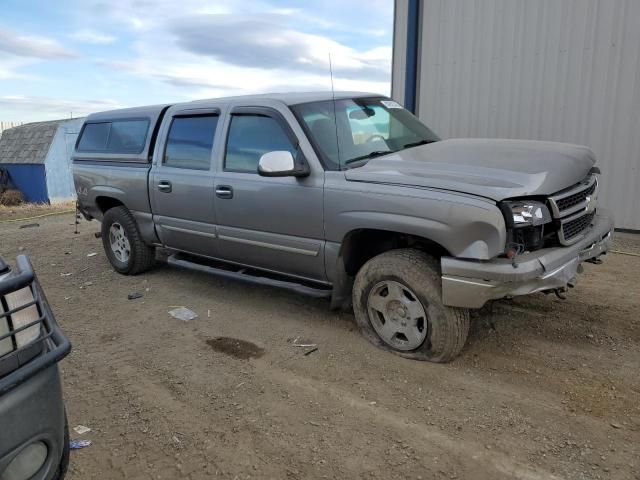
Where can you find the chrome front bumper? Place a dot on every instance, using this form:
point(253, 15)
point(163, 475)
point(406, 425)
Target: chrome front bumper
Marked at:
point(470, 284)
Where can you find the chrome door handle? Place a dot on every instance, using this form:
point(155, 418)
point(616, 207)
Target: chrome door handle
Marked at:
point(224, 191)
point(164, 186)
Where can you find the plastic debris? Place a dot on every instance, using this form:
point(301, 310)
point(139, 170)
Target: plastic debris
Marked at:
point(30, 225)
point(311, 351)
point(81, 429)
point(134, 295)
point(183, 313)
point(66, 274)
point(92, 254)
point(78, 444)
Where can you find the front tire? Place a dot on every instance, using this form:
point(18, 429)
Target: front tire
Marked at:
point(123, 244)
point(397, 301)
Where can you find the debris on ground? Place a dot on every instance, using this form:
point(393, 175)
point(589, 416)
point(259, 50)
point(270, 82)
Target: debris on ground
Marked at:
point(30, 225)
point(66, 274)
point(183, 313)
point(78, 444)
point(81, 429)
point(134, 295)
point(92, 254)
point(296, 342)
point(311, 351)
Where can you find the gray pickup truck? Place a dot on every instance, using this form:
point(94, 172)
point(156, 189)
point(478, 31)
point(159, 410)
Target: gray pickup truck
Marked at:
point(347, 196)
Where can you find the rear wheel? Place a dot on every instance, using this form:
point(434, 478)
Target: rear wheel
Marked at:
point(123, 244)
point(397, 301)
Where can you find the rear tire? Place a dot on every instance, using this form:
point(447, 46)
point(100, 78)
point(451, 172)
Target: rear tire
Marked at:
point(123, 244)
point(397, 301)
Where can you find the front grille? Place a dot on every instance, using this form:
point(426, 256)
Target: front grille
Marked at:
point(575, 227)
point(575, 199)
point(574, 209)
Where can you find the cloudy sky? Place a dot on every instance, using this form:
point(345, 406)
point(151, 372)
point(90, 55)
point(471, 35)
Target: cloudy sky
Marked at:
point(79, 56)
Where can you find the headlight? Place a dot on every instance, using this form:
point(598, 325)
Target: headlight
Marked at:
point(525, 213)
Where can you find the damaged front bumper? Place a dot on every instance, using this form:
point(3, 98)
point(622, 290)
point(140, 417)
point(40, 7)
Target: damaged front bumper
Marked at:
point(470, 284)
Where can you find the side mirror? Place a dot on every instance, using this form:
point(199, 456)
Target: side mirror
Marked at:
point(281, 163)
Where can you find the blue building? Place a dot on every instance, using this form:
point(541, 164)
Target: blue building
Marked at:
point(38, 159)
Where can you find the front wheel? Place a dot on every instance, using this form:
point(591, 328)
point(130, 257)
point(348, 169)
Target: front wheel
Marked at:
point(123, 244)
point(397, 301)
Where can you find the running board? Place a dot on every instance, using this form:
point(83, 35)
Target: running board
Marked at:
point(177, 260)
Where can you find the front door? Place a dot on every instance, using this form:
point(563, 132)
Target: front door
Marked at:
point(275, 223)
point(182, 182)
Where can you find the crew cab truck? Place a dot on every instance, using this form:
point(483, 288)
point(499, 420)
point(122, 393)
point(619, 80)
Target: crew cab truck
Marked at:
point(346, 195)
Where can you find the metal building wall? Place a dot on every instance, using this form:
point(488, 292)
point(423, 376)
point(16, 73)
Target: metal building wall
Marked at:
point(560, 70)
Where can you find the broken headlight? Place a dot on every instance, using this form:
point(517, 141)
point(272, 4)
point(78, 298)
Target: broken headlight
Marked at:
point(525, 220)
point(525, 213)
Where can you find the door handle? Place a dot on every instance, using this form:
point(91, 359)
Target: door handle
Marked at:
point(164, 186)
point(224, 191)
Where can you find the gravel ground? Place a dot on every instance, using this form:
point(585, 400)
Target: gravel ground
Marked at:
point(552, 392)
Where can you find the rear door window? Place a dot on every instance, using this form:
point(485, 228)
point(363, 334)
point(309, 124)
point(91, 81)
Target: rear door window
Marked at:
point(190, 142)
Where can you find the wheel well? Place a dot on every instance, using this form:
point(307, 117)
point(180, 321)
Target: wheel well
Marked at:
point(107, 203)
point(361, 245)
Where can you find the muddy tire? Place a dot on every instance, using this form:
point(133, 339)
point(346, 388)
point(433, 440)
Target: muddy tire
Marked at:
point(397, 301)
point(123, 244)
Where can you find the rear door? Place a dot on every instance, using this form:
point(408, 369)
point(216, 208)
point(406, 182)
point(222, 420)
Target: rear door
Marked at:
point(182, 181)
point(275, 223)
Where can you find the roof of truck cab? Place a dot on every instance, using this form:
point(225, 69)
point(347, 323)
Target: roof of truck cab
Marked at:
point(292, 98)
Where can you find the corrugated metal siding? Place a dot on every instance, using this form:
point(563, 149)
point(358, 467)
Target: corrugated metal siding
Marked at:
point(560, 70)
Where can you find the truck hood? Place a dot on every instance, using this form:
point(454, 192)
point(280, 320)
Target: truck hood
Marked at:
point(496, 169)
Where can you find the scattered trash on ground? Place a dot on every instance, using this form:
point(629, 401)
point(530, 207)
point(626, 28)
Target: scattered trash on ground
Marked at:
point(66, 274)
point(78, 444)
point(134, 295)
point(208, 313)
point(86, 284)
point(311, 351)
point(81, 429)
point(92, 254)
point(183, 313)
point(30, 225)
point(303, 343)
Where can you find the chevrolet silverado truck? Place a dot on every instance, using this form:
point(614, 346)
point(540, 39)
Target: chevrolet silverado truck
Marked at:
point(34, 434)
point(344, 195)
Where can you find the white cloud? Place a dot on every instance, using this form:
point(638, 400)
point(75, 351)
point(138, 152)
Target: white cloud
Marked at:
point(33, 46)
point(93, 37)
point(35, 108)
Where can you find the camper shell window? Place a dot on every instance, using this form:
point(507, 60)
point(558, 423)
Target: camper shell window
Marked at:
point(114, 136)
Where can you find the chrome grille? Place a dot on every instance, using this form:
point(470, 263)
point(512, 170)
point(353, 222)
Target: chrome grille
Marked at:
point(572, 228)
point(575, 208)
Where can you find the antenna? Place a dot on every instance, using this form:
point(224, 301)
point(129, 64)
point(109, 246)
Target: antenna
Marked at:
point(335, 116)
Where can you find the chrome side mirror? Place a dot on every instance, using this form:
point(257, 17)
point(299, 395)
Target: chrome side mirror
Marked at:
point(281, 163)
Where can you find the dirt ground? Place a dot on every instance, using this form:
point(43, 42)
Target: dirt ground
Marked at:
point(552, 392)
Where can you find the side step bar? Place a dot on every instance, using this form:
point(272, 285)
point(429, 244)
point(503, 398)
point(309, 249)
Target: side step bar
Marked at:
point(177, 260)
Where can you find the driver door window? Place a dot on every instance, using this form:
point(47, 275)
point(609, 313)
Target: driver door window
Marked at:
point(250, 137)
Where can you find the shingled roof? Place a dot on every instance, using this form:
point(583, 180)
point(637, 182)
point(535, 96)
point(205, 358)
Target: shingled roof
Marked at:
point(27, 143)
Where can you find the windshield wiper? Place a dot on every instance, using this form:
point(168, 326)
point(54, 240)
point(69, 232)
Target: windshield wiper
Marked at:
point(375, 153)
point(418, 143)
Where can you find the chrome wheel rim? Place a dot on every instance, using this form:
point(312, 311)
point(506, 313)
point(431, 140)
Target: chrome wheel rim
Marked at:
point(119, 243)
point(397, 315)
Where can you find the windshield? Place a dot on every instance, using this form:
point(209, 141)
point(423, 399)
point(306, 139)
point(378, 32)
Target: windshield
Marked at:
point(363, 129)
